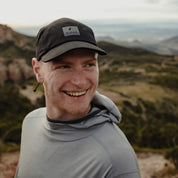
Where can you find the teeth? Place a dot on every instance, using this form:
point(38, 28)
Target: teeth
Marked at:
point(70, 93)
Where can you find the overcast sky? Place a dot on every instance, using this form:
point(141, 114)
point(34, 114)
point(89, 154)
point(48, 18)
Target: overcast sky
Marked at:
point(38, 12)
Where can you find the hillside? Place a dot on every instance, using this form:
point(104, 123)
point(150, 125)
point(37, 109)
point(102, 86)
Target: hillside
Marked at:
point(20, 40)
point(143, 84)
point(136, 64)
point(167, 46)
point(16, 51)
point(171, 41)
point(145, 88)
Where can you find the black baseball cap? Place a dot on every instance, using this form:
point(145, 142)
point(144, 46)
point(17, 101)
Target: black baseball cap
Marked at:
point(62, 36)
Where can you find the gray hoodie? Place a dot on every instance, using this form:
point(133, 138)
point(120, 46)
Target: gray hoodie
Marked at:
point(89, 147)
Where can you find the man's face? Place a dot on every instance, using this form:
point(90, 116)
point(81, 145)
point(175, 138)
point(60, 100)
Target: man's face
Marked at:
point(70, 82)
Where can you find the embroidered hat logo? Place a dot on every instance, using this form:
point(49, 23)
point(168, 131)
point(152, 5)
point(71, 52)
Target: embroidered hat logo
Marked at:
point(70, 30)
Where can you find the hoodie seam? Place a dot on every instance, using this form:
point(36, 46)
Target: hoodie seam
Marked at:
point(107, 153)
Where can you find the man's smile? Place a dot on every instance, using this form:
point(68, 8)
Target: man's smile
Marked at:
point(75, 93)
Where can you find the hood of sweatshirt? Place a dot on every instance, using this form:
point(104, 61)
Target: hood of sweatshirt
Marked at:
point(103, 111)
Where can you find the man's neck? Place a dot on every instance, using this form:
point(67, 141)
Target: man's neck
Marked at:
point(56, 115)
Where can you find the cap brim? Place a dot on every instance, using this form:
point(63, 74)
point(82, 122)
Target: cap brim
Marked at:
point(61, 49)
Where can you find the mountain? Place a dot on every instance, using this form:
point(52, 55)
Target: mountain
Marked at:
point(16, 51)
point(168, 46)
point(171, 44)
point(171, 41)
point(20, 40)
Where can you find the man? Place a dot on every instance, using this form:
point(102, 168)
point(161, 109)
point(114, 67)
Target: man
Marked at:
point(75, 135)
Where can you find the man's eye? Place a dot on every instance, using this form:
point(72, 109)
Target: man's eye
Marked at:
point(90, 65)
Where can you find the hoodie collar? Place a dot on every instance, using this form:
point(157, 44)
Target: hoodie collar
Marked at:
point(101, 106)
point(103, 110)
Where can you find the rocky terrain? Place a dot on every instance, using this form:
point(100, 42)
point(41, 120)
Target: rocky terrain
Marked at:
point(15, 71)
point(14, 51)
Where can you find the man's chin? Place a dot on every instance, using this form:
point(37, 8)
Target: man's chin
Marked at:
point(79, 111)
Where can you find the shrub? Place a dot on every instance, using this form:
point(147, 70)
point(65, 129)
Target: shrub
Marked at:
point(13, 134)
point(130, 131)
point(13, 108)
point(169, 81)
point(172, 155)
point(150, 137)
point(158, 135)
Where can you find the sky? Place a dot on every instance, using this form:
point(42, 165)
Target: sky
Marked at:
point(37, 12)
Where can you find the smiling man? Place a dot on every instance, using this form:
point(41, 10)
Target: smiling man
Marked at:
point(75, 135)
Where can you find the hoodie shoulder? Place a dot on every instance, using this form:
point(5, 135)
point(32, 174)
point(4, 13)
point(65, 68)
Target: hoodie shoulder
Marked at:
point(118, 150)
point(37, 113)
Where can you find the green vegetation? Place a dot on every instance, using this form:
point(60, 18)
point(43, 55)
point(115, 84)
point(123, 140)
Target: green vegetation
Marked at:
point(13, 108)
point(152, 125)
point(172, 154)
point(169, 80)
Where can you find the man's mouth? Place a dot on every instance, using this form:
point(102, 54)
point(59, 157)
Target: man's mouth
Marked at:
point(75, 93)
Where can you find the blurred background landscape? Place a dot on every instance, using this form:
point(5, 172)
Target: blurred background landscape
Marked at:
point(140, 74)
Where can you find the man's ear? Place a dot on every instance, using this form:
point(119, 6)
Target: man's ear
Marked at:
point(37, 70)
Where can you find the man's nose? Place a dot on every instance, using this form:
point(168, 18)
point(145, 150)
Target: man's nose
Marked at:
point(78, 78)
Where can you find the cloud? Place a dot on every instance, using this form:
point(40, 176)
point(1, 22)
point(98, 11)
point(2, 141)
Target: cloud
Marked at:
point(25, 12)
point(172, 1)
point(163, 2)
point(152, 1)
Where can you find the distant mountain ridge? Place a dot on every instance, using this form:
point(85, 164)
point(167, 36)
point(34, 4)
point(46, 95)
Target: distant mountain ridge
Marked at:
point(168, 46)
point(20, 40)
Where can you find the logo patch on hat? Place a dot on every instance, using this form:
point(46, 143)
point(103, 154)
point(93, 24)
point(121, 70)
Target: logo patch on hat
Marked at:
point(70, 30)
